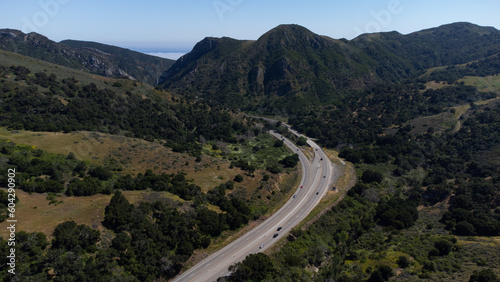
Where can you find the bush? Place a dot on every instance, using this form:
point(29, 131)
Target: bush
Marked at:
point(443, 247)
point(238, 178)
point(397, 213)
point(403, 261)
point(383, 273)
point(370, 176)
point(485, 275)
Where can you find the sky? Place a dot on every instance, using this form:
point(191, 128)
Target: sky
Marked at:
point(175, 26)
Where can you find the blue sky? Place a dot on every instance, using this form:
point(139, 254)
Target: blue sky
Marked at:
point(175, 26)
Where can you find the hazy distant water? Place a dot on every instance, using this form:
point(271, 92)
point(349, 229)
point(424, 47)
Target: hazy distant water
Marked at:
point(167, 55)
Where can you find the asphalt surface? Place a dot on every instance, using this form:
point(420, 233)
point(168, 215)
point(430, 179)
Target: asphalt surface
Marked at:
point(317, 178)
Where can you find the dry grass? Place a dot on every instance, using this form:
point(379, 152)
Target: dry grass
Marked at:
point(135, 155)
point(35, 214)
point(345, 182)
point(435, 85)
point(229, 236)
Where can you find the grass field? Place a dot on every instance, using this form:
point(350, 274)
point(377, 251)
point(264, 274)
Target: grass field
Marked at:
point(487, 84)
point(35, 214)
point(449, 120)
point(134, 155)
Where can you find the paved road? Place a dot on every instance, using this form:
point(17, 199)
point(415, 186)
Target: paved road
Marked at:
point(317, 177)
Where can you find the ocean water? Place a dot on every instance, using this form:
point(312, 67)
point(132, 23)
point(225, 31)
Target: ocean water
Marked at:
point(167, 55)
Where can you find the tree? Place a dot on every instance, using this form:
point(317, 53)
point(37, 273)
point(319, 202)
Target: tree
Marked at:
point(72, 237)
point(121, 241)
point(383, 273)
point(403, 261)
point(370, 176)
point(485, 275)
point(238, 178)
point(397, 213)
point(118, 212)
point(278, 144)
point(86, 187)
point(101, 173)
point(302, 141)
point(290, 161)
point(255, 267)
point(443, 247)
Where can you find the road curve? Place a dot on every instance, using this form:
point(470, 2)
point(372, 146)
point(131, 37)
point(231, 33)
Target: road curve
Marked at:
point(317, 177)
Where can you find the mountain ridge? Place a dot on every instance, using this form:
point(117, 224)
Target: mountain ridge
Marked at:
point(290, 65)
point(97, 58)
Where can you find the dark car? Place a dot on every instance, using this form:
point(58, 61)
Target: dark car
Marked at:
point(279, 228)
point(275, 235)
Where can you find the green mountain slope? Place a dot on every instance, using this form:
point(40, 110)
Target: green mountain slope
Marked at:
point(96, 58)
point(288, 63)
point(39, 96)
point(290, 67)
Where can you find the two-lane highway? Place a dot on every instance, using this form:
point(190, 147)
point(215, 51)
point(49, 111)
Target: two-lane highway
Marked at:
point(317, 176)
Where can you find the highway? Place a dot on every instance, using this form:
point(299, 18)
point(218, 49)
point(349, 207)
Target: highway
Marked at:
point(317, 177)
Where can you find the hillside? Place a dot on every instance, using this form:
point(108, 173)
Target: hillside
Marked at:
point(234, 173)
point(416, 117)
point(290, 67)
point(95, 58)
point(47, 97)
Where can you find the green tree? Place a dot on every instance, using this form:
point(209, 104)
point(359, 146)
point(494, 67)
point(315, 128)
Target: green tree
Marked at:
point(370, 176)
point(238, 178)
point(302, 141)
point(383, 273)
point(443, 247)
point(485, 275)
point(118, 212)
point(255, 267)
point(290, 161)
point(72, 237)
point(403, 261)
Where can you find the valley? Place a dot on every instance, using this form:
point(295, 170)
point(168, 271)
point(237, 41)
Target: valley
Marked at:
point(137, 168)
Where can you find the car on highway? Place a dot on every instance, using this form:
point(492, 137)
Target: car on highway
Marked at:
point(275, 235)
point(317, 193)
point(279, 228)
point(294, 196)
point(261, 247)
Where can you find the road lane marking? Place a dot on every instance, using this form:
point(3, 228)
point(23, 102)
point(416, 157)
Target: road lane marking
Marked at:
point(284, 213)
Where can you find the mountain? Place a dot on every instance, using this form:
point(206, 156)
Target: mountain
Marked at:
point(450, 44)
point(287, 62)
point(291, 67)
point(96, 58)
